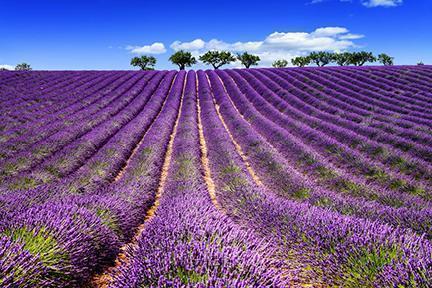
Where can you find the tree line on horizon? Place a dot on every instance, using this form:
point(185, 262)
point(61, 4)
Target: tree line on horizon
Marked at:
point(19, 67)
point(185, 59)
point(323, 58)
point(217, 59)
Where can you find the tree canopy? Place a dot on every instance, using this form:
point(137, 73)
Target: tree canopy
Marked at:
point(144, 62)
point(360, 58)
point(217, 58)
point(23, 67)
point(385, 59)
point(281, 63)
point(301, 61)
point(248, 60)
point(342, 59)
point(321, 58)
point(183, 59)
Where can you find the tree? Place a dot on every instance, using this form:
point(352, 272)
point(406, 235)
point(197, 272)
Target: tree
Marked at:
point(342, 59)
point(248, 59)
point(23, 67)
point(217, 58)
point(144, 62)
point(385, 59)
point(360, 58)
point(301, 61)
point(420, 63)
point(321, 58)
point(3, 69)
point(183, 59)
point(281, 63)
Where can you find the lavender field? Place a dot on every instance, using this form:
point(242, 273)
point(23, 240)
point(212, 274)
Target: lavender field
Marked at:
point(295, 177)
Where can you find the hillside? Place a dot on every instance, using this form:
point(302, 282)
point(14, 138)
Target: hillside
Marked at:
point(219, 178)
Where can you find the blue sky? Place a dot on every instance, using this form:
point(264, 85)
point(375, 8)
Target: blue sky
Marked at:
point(105, 34)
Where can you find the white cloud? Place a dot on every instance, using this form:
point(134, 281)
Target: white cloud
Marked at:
point(193, 45)
point(350, 36)
point(279, 45)
point(383, 3)
point(155, 48)
point(8, 67)
point(330, 31)
point(367, 3)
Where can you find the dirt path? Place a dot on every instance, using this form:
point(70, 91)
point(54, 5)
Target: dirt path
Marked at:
point(122, 170)
point(211, 187)
point(103, 280)
point(237, 146)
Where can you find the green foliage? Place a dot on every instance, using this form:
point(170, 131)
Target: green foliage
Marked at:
point(325, 173)
point(217, 58)
point(281, 63)
point(23, 67)
point(321, 58)
point(231, 169)
point(342, 59)
point(183, 59)
point(420, 63)
point(385, 59)
point(248, 60)
point(23, 183)
point(185, 164)
point(144, 62)
point(362, 267)
point(376, 173)
point(108, 219)
point(302, 193)
point(301, 61)
point(39, 243)
point(189, 277)
point(348, 186)
point(361, 58)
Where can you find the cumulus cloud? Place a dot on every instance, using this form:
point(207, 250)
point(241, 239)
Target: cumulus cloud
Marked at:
point(279, 45)
point(8, 67)
point(383, 3)
point(350, 36)
point(193, 45)
point(367, 3)
point(155, 48)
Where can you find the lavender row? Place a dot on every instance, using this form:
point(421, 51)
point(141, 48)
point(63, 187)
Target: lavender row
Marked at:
point(75, 154)
point(106, 219)
point(286, 181)
point(404, 94)
point(407, 135)
point(369, 99)
point(189, 242)
point(348, 101)
point(40, 100)
point(73, 135)
point(343, 251)
point(397, 160)
point(292, 146)
point(105, 165)
point(30, 133)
